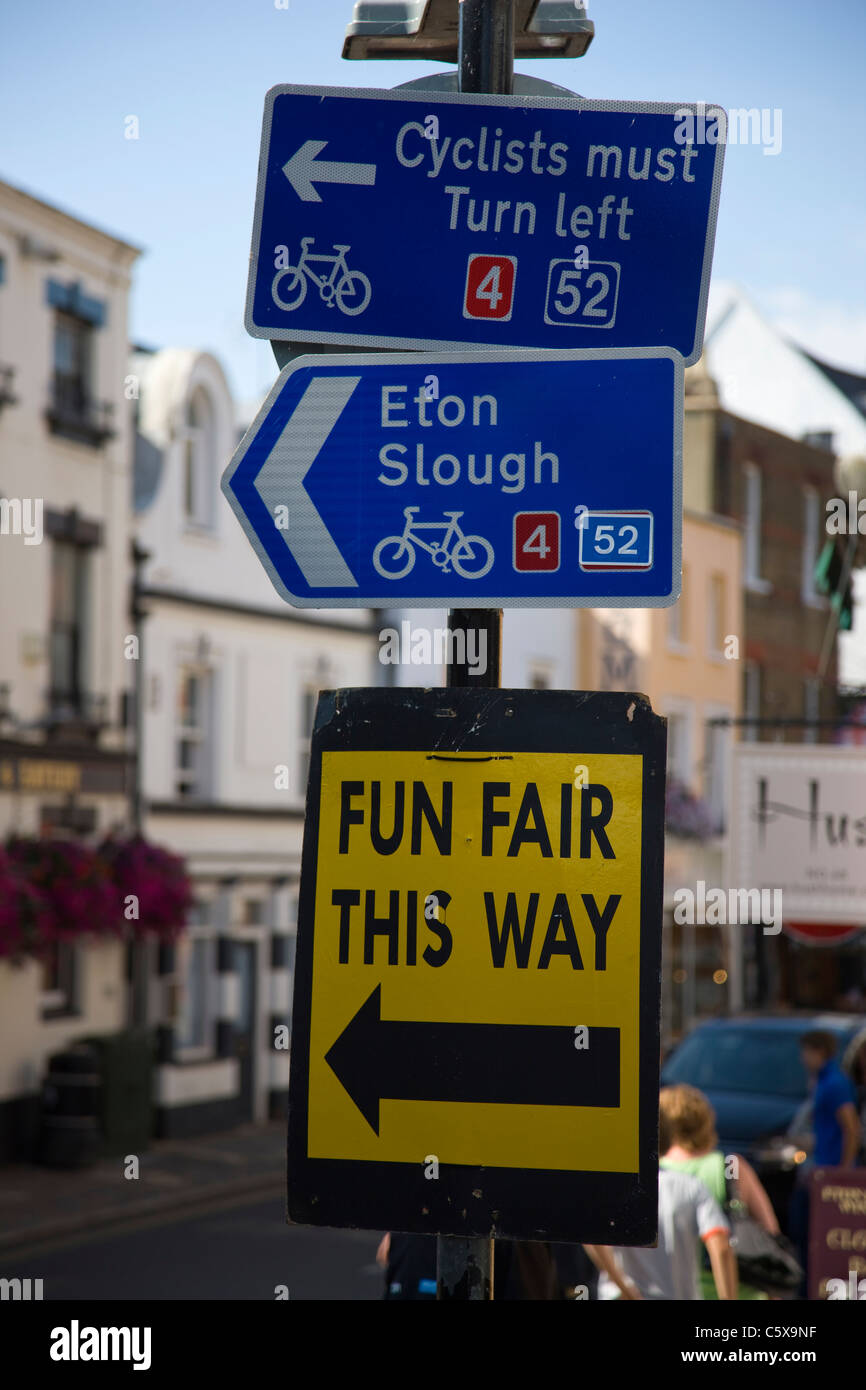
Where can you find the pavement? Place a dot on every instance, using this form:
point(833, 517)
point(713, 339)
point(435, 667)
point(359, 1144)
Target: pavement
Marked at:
point(43, 1206)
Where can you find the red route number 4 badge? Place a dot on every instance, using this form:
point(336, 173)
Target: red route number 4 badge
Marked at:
point(536, 542)
point(489, 287)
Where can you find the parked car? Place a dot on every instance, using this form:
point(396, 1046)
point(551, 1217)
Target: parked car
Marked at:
point(749, 1068)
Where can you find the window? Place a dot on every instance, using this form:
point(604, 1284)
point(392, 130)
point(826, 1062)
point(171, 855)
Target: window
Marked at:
point(679, 717)
point(198, 445)
point(718, 741)
point(811, 547)
point(253, 912)
point(59, 984)
point(716, 614)
point(74, 412)
point(751, 699)
point(197, 967)
point(753, 522)
point(194, 735)
point(73, 366)
point(70, 602)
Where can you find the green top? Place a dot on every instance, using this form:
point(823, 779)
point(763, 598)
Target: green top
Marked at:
point(710, 1168)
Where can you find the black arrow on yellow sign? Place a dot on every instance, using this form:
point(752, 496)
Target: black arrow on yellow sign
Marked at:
point(482, 1063)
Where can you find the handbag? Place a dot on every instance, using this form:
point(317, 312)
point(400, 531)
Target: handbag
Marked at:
point(768, 1262)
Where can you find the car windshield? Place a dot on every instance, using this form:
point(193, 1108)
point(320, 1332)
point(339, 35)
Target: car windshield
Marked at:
point(757, 1061)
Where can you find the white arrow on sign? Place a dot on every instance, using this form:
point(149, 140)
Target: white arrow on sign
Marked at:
point(281, 482)
point(303, 169)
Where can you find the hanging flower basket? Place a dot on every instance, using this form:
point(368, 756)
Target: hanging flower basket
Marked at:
point(61, 890)
point(25, 915)
point(72, 881)
point(151, 887)
point(686, 815)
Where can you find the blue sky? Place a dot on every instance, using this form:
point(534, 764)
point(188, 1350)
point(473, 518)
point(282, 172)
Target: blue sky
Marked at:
point(792, 227)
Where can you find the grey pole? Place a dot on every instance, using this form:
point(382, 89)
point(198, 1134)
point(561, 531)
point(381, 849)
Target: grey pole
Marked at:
point(464, 1268)
point(137, 951)
point(486, 54)
point(138, 614)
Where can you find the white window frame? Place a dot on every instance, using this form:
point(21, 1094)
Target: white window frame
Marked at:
point(204, 738)
point(198, 457)
point(677, 707)
point(199, 930)
point(752, 528)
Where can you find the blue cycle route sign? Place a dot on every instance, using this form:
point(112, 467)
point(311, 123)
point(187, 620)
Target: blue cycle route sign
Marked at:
point(398, 219)
point(490, 479)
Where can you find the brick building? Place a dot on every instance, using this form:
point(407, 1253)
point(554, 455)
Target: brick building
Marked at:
point(776, 488)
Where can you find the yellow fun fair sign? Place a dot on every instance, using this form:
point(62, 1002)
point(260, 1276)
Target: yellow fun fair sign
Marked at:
point(475, 1034)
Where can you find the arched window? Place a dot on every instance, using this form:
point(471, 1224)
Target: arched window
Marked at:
point(198, 461)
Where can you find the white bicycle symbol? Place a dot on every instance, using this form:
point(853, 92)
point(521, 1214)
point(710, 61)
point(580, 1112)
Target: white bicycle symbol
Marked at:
point(349, 289)
point(471, 556)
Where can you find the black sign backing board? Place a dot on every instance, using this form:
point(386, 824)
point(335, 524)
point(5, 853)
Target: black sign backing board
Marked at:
point(475, 1035)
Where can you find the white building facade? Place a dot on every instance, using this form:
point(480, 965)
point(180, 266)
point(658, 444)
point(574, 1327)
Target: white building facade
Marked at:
point(230, 680)
point(66, 757)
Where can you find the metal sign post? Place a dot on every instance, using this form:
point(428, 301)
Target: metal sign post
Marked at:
point(464, 1268)
point(339, 484)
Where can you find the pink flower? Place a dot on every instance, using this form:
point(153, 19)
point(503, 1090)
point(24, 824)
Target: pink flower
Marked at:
point(157, 879)
point(25, 914)
point(73, 881)
point(58, 890)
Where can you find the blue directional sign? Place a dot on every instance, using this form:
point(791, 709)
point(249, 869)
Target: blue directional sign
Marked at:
point(483, 479)
point(410, 219)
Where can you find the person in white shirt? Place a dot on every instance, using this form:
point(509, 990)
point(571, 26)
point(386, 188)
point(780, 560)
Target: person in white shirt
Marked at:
point(687, 1211)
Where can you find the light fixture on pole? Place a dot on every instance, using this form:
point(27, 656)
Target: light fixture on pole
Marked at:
point(430, 29)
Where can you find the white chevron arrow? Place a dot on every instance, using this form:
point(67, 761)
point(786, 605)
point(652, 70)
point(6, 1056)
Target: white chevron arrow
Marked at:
point(280, 482)
point(303, 169)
